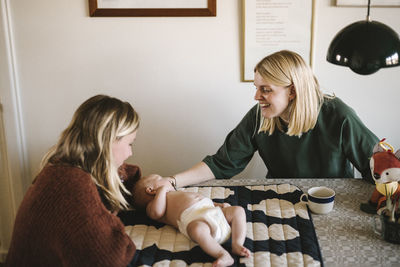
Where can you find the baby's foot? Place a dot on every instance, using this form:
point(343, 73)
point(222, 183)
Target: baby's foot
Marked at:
point(240, 250)
point(223, 260)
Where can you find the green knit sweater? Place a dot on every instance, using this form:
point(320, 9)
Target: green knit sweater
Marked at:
point(63, 222)
point(338, 139)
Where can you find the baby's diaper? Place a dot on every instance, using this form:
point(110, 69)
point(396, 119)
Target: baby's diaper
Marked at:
point(206, 211)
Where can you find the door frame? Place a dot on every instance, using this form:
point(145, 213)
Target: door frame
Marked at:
point(14, 164)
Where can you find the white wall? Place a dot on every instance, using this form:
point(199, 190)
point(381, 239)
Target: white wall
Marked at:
point(181, 74)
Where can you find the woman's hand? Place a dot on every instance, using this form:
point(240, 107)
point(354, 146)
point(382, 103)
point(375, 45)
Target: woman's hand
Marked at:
point(162, 189)
point(166, 187)
point(197, 174)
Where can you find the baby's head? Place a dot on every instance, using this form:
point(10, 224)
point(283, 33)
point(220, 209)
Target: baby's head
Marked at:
point(145, 189)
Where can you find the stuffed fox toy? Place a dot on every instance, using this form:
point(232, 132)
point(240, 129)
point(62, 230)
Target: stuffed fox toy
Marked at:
point(385, 170)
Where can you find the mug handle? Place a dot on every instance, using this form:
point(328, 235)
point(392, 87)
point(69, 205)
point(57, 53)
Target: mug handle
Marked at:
point(304, 196)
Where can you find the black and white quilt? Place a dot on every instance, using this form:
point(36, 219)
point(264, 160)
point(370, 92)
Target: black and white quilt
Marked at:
point(280, 231)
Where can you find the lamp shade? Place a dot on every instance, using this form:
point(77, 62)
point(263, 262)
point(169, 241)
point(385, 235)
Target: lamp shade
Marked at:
point(365, 47)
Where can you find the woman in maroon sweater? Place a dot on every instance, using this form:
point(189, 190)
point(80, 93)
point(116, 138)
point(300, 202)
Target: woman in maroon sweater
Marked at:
point(68, 215)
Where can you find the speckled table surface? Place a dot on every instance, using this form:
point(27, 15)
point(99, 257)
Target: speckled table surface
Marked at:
point(346, 235)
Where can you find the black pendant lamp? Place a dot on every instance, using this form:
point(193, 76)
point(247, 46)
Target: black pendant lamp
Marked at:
point(365, 47)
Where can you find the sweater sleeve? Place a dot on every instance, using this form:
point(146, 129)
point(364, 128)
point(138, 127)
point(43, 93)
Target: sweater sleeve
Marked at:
point(94, 236)
point(237, 150)
point(357, 143)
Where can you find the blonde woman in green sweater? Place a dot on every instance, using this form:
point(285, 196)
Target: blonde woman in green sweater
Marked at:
point(298, 131)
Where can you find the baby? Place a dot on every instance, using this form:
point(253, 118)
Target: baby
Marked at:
point(196, 216)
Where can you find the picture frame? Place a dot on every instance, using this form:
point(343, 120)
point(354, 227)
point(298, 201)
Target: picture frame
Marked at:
point(152, 8)
point(272, 25)
point(376, 3)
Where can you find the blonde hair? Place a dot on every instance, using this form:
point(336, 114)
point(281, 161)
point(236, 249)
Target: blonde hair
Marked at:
point(286, 68)
point(87, 143)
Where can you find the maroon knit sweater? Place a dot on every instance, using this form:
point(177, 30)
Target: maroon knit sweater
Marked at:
point(63, 222)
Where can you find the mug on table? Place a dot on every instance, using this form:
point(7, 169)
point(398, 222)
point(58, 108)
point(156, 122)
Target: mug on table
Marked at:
point(320, 199)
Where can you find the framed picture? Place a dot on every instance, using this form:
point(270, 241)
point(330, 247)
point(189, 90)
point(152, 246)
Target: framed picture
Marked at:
point(365, 2)
point(152, 8)
point(273, 25)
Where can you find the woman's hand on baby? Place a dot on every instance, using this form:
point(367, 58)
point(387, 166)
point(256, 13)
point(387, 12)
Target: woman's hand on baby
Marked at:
point(165, 187)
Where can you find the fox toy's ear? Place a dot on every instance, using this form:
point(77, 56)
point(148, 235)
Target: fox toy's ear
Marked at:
point(378, 148)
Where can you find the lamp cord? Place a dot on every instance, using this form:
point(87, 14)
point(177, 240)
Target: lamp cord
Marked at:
point(369, 5)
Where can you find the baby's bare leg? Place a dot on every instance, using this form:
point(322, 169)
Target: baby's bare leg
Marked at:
point(199, 231)
point(236, 217)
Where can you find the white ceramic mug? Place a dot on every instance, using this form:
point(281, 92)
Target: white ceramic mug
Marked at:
point(319, 199)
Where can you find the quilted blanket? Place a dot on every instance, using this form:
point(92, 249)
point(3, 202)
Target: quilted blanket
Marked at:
point(280, 231)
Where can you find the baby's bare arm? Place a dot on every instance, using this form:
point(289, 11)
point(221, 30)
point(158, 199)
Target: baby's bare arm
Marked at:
point(158, 206)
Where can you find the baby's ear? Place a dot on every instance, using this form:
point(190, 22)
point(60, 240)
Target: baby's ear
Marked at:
point(150, 191)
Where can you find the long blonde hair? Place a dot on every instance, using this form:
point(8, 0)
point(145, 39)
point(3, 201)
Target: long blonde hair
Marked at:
point(86, 143)
point(286, 68)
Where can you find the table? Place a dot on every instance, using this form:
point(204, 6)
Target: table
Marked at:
point(346, 235)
